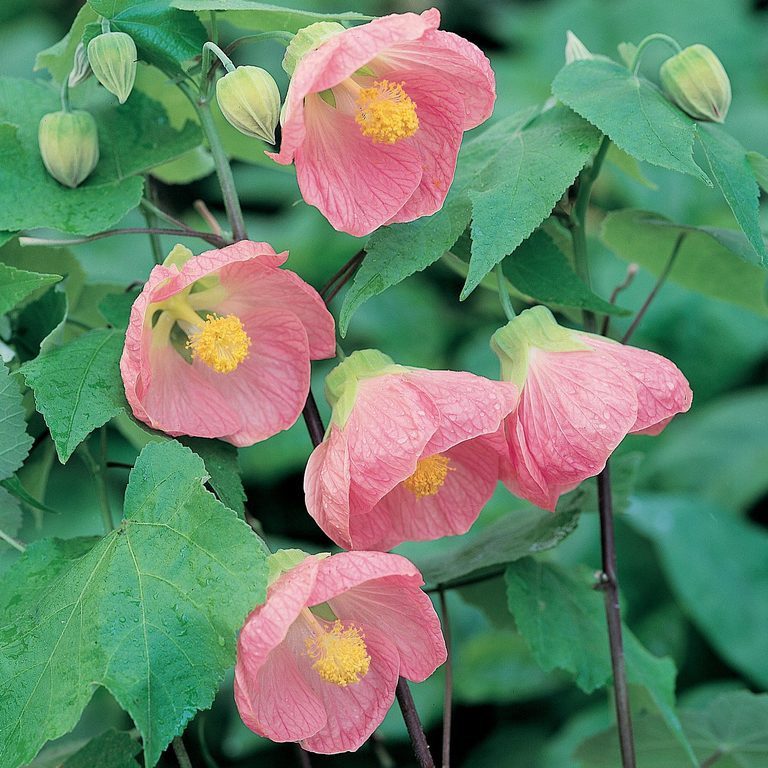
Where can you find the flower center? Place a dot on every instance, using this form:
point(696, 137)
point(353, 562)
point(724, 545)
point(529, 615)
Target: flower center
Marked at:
point(386, 113)
point(221, 343)
point(429, 476)
point(339, 653)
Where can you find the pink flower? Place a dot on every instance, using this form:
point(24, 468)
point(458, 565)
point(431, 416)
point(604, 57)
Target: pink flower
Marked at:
point(220, 345)
point(409, 454)
point(374, 117)
point(580, 394)
point(318, 662)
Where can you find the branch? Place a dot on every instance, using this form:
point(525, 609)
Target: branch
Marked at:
point(219, 242)
point(413, 724)
point(448, 691)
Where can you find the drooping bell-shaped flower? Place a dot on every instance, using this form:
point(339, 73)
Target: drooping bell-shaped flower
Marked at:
point(375, 114)
point(409, 454)
point(319, 661)
point(219, 345)
point(580, 395)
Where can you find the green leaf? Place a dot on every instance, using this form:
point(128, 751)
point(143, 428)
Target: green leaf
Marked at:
point(14, 487)
point(562, 617)
point(115, 308)
point(539, 269)
point(398, 251)
point(628, 165)
point(17, 284)
point(14, 440)
point(734, 176)
point(191, 166)
point(58, 59)
point(730, 732)
point(632, 112)
point(728, 551)
point(40, 325)
point(688, 458)
point(221, 462)
point(165, 37)
point(517, 174)
point(78, 387)
point(10, 516)
point(716, 262)
point(759, 165)
point(515, 535)
point(133, 138)
point(265, 16)
point(112, 749)
point(151, 612)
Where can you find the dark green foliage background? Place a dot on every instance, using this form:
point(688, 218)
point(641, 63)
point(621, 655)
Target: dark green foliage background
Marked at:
point(693, 549)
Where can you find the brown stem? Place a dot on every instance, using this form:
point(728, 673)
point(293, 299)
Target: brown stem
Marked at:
point(413, 724)
point(219, 242)
point(303, 757)
point(342, 277)
point(208, 217)
point(609, 583)
point(628, 280)
point(448, 691)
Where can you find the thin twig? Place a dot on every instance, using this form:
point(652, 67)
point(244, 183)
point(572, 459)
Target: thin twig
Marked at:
point(181, 753)
point(712, 759)
point(208, 217)
point(609, 583)
point(303, 757)
point(96, 469)
point(208, 237)
point(15, 543)
point(506, 301)
point(151, 206)
point(150, 212)
point(342, 277)
point(313, 421)
point(656, 288)
point(448, 690)
point(467, 581)
point(413, 725)
point(628, 279)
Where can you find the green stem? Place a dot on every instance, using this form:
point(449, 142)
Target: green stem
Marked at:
point(578, 223)
point(223, 171)
point(506, 302)
point(65, 95)
point(220, 55)
point(489, 282)
point(98, 470)
point(181, 753)
point(646, 41)
point(149, 211)
point(15, 543)
point(281, 37)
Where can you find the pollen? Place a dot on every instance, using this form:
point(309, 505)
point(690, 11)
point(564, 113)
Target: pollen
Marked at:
point(386, 113)
point(429, 476)
point(339, 653)
point(221, 343)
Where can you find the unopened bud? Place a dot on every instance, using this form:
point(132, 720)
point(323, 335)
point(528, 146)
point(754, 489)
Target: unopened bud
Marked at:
point(697, 82)
point(575, 50)
point(250, 100)
point(69, 145)
point(81, 69)
point(306, 40)
point(112, 56)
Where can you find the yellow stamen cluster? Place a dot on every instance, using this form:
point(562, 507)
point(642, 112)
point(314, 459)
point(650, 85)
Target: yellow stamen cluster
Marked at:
point(339, 653)
point(386, 113)
point(221, 343)
point(429, 476)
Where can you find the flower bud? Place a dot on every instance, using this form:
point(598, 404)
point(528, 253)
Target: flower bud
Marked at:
point(81, 69)
point(575, 50)
point(112, 56)
point(695, 80)
point(69, 145)
point(248, 97)
point(306, 40)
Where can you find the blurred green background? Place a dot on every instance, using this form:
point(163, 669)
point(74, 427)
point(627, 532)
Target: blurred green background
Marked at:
point(693, 550)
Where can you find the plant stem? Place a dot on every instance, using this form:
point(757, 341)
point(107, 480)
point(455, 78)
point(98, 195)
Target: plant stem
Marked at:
point(628, 279)
point(220, 160)
point(303, 757)
point(656, 288)
point(506, 302)
point(313, 421)
point(181, 753)
point(342, 277)
point(448, 691)
point(209, 238)
point(609, 583)
point(467, 580)
point(150, 212)
point(220, 55)
point(15, 543)
point(646, 41)
point(208, 217)
point(281, 37)
point(413, 725)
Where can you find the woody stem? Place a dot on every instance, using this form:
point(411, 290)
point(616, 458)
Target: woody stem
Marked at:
point(609, 580)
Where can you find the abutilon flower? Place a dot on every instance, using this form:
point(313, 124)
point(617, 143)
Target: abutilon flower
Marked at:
point(375, 114)
point(409, 455)
point(319, 661)
point(580, 395)
point(219, 345)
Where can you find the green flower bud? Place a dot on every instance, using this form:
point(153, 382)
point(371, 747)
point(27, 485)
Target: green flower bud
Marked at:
point(81, 69)
point(69, 145)
point(112, 56)
point(248, 97)
point(695, 80)
point(575, 50)
point(306, 40)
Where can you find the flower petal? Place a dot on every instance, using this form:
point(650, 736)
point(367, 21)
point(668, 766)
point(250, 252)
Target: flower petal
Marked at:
point(662, 390)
